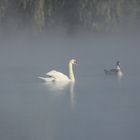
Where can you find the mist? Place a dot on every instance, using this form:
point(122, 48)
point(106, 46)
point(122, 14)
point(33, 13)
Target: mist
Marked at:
point(96, 106)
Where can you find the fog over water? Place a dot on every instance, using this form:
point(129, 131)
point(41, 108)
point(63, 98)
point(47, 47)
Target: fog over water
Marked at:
point(96, 107)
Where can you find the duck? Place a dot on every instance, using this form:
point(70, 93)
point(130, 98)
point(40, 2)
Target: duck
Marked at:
point(56, 76)
point(117, 71)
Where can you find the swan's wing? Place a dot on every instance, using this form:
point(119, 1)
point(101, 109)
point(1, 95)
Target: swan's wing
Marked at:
point(58, 76)
point(46, 79)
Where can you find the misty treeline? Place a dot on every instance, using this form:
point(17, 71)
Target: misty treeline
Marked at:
point(94, 15)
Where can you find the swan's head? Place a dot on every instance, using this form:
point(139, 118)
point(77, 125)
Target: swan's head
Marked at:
point(73, 61)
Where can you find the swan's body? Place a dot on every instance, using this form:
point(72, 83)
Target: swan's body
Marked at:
point(56, 76)
point(116, 71)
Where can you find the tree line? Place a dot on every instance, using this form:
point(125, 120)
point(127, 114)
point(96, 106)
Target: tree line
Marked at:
point(95, 15)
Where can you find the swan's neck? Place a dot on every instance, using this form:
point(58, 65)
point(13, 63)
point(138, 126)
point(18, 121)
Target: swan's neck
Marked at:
point(71, 74)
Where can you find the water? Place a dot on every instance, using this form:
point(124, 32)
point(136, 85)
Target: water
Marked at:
point(96, 107)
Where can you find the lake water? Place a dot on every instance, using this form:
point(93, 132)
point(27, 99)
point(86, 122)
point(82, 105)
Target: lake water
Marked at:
point(95, 108)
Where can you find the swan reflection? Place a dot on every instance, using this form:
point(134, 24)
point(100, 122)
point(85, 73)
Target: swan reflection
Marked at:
point(72, 94)
point(62, 87)
point(57, 86)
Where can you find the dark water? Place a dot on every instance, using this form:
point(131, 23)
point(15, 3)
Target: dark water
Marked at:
point(95, 108)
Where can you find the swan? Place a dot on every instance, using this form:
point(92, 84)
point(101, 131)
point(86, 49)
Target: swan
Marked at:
point(117, 71)
point(56, 76)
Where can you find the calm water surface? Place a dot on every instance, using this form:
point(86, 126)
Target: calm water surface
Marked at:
point(95, 108)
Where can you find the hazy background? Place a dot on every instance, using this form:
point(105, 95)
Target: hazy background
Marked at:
point(97, 107)
point(37, 36)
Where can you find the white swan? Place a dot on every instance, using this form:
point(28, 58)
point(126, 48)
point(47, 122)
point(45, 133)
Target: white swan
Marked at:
point(116, 71)
point(56, 76)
